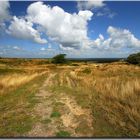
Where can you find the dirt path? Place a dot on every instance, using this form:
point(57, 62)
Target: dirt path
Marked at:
point(59, 112)
point(42, 110)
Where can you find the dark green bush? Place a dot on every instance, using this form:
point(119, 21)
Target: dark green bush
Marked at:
point(59, 59)
point(134, 58)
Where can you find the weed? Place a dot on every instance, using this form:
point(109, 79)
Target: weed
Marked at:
point(55, 114)
point(63, 134)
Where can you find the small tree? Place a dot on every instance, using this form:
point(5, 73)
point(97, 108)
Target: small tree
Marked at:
point(134, 58)
point(59, 59)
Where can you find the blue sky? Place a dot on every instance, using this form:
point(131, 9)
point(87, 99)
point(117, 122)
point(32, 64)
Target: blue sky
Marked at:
point(97, 29)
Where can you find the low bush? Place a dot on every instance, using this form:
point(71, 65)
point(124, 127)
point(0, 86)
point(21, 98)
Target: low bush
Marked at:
point(59, 59)
point(134, 58)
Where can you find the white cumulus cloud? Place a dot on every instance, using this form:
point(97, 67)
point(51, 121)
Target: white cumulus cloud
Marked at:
point(4, 15)
point(89, 4)
point(122, 38)
point(118, 39)
point(20, 28)
point(69, 30)
point(4, 11)
point(99, 7)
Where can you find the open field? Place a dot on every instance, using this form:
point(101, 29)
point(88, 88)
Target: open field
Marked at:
point(40, 99)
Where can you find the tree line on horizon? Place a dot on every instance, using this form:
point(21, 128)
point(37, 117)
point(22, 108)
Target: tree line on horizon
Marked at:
point(61, 59)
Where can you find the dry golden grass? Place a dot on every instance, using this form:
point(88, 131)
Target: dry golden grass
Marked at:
point(12, 81)
point(111, 91)
point(116, 94)
point(117, 87)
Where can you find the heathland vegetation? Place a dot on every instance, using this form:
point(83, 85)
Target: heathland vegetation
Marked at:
point(134, 58)
point(40, 98)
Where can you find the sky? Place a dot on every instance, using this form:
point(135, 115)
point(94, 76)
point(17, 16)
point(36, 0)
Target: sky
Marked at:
point(80, 29)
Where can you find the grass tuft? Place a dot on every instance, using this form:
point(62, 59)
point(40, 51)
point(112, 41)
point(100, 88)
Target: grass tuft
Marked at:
point(55, 114)
point(63, 134)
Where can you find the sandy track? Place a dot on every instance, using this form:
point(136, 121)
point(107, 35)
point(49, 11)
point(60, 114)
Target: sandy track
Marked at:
point(72, 115)
point(43, 109)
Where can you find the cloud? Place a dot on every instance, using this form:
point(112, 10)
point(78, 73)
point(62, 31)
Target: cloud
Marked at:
point(42, 49)
point(120, 43)
point(118, 39)
point(69, 30)
point(90, 4)
point(4, 11)
point(10, 51)
point(16, 48)
point(4, 15)
point(65, 48)
point(23, 29)
point(105, 12)
point(122, 38)
point(99, 7)
point(49, 46)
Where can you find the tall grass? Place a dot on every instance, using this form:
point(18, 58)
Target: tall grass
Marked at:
point(12, 81)
point(115, 98)
point(112, 91)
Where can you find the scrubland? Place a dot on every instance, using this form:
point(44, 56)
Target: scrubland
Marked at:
point(38, 98)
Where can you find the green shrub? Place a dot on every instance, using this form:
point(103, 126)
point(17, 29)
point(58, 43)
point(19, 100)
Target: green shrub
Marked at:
point(63, 134)
point(134, 58)
point(55, 114)
point(59, 59)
